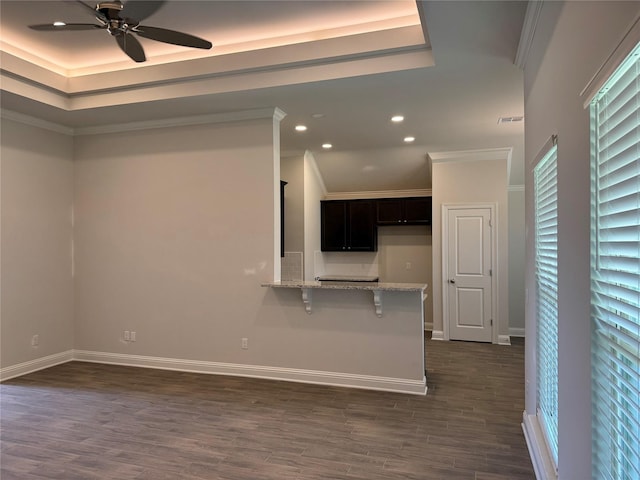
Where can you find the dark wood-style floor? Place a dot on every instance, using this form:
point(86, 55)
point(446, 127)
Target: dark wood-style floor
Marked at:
point(88, 421)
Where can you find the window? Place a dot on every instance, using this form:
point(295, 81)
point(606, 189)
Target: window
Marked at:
point(546, 265)
point(615, 278)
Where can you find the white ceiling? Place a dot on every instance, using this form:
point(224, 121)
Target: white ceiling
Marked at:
point(355, 62)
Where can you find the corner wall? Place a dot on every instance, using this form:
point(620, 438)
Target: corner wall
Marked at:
point(314, 191)
point(292, 172)
point(36, 240)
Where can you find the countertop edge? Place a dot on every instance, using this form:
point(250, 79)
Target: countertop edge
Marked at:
point(382, 286)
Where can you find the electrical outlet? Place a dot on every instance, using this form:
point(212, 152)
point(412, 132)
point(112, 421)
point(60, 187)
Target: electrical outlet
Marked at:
point(127, 336)
point(245, 343)
point(133, 336)
point(35, 340)
point(407, 265)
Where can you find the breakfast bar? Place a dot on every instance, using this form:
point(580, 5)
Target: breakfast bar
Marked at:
point(377, 288)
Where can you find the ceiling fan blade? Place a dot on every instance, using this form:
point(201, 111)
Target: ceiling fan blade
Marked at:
point(138, 10)
point(49, 27)
point(173, 37)
point(131, 46)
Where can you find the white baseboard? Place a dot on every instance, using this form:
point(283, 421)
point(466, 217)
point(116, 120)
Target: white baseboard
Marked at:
point(400, 385)
point(541, 459)
point(437, 335)
point(516, 332)
point(35, 365)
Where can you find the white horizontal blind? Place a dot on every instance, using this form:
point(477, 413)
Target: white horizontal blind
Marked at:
point(546, 261)
point(615, 284)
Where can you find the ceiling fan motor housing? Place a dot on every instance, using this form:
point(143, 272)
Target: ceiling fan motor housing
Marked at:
point(109, 10)
point(109, 13)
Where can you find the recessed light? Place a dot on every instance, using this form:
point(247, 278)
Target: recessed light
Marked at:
point(317, 115)
point(327, 146)
point(409, 139)
point(397, 118)
point(59, 24)
point(301, 128)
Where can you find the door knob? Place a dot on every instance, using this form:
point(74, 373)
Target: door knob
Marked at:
point(452, 280)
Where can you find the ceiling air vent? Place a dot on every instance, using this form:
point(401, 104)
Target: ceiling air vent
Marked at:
point(517, 119)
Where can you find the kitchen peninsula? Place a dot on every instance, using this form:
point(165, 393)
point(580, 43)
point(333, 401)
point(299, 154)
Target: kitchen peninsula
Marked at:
point(382, 327)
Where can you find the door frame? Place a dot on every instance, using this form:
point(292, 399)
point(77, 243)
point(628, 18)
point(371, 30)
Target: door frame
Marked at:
point(446, 208)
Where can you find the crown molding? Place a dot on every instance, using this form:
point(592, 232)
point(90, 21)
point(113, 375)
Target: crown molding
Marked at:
point(503, 153)
point(35, 122)
point(239, 116)
point(423, 192)
point(528, 33)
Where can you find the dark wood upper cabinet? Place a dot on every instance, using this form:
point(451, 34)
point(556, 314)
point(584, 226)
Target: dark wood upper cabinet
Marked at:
point(404, 211)
point(348, 225)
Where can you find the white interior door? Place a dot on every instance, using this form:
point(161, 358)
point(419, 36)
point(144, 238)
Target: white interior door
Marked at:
point(468, 274)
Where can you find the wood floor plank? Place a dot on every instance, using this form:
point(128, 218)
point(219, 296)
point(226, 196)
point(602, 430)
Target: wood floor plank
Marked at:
point(89, 421)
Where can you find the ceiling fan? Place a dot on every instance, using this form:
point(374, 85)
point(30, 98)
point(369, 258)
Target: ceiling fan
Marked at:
point(122, 20)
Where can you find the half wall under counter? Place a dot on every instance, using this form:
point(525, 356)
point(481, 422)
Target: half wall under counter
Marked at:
point(377, 345)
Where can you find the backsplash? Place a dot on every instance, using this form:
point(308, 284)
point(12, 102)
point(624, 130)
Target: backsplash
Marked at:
point(291, 267)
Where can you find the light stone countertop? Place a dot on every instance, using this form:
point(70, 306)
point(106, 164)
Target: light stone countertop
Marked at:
point(371, 286)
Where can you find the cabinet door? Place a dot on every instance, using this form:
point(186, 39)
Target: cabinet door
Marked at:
point(361, 226)
point(417, 210)
point(389, 211)
point(333, 216)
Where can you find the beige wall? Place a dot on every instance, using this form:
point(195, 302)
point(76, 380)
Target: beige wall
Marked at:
point(468, 182)
point(292, 172)
point(36, 235)
point(398, 246)
point(174, 233)
point(565, 37)
point(314, 191)
point(516, 261)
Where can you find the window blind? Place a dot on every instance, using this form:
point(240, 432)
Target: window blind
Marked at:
point(546, 264)
point(615, 278)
